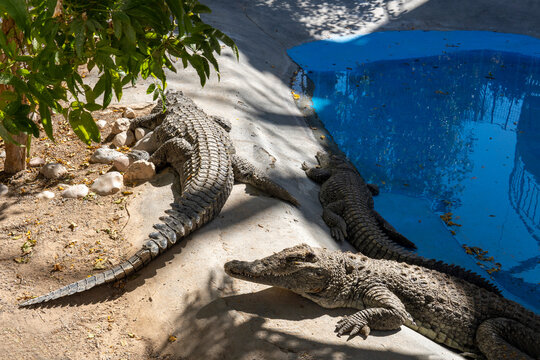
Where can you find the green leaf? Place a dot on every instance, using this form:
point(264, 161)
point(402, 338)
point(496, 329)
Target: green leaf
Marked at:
point(130, 33)
point(92, 106)
point(12, 107)
point(23, 122)
point(45, 115)
point(199, 67)
point(84, 126)
point(7, 97)
point(4, 134)
point(99, 88)
point(200, 8)
point(151, 88)
point(107, 96)
point(90, 126)
point(117, 86)
point(178, 11)
point(17, 10)
point(117, 26)
point(41, 93)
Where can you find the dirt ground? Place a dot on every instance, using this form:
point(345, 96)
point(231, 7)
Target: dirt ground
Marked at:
point(49, 243)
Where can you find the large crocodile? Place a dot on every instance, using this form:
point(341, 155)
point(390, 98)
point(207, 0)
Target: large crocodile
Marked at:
point(348, 210)
point(198, 147)
point(389, 294)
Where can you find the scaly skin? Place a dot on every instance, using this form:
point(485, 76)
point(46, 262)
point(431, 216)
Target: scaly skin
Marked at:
point(389, 294)
point(198, 147)
point(348, 210)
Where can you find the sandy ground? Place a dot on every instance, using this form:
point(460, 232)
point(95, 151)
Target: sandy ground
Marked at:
point(183, 306)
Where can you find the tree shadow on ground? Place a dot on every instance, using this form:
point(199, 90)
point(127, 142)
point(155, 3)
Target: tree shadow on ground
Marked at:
point(269, 324)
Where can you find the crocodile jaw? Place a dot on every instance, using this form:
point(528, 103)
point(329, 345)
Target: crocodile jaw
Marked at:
point(296, 269)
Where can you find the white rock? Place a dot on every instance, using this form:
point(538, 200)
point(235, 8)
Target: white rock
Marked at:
point(53, 171)
point(36, 162)
point(140, 133)
point(2, 154)
point(105, 156)
point(120, 125)
point(121, 163)
point(108, 184)
point(124, 138)
point(3, 189)
point(101, 124)
point(129, 113)
point(45, 195)
point(75, 191)
point(147, 143)
point(140, 170)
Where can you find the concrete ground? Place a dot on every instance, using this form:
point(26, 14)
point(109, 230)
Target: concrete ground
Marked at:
point(185, 293)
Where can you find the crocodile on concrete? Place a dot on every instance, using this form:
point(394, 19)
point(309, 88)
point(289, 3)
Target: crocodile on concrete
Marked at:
point(348, 210)
point(389, 294)
point(199, 149)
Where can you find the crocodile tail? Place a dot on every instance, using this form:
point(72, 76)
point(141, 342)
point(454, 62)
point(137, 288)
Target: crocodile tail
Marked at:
point(247, 173)
point(137, 261)
point(180, 221)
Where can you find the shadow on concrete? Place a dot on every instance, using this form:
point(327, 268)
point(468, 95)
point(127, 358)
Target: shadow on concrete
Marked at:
point(218, 325)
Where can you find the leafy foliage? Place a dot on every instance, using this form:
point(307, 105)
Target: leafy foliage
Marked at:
point(123, 39)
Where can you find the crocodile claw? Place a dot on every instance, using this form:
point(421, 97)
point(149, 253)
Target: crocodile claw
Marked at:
point(338, 234)
point(353, 326)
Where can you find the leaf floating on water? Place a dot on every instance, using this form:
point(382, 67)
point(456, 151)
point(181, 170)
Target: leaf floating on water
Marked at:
point(485, 262)
point(447, 218)
point(441, 92)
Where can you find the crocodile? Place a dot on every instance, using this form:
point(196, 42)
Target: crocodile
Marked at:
point(199, 149)
point(348, 210)
point(388, 294)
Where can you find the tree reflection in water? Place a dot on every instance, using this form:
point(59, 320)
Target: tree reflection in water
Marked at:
point(460, 130)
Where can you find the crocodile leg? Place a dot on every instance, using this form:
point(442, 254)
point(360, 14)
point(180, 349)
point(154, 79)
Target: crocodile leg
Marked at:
point(150, 121)
point(337, 225)
point(385, 312)
point(172, 151)
point(319, 175)
point(246, 173)
point(373, 188)
point(500, 338)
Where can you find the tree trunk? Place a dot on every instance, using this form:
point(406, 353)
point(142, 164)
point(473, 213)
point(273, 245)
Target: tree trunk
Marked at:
point(15, 156)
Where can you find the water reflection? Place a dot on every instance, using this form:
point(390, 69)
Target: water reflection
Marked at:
point(460, 130)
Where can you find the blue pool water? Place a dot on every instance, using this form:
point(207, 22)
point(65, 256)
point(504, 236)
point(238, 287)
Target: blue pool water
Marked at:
point(448, 125)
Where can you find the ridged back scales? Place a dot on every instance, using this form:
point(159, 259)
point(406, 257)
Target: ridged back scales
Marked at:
point(446, 309)
point(206, 179)
point(364, 231)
